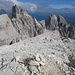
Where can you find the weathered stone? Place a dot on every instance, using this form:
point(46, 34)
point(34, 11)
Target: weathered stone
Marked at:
point(67, 73)
point(24, 24)
point(7, 31)
point(34, 63)
point(51, 22)
point(40, 57)
point(38, 27)
point(43, 24)
point(54, 22)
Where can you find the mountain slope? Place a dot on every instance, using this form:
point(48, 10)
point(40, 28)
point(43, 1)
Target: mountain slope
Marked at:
point(45, 54)
point(51, 53)
point(7, 31)
point(54, 22)
point(24, 24)
point(20, 27)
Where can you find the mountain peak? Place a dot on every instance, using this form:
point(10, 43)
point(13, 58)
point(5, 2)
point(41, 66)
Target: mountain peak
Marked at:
point(2, 11)
point(17, 11)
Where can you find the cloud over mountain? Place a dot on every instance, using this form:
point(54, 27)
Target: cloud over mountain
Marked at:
point(30, 6)
point(7, 5)
point(16, 2)
point(33, 7)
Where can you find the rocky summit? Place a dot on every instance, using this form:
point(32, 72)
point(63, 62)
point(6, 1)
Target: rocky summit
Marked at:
point(54, 22)
point(31, 47)
point(19, 27)
point(24, 24)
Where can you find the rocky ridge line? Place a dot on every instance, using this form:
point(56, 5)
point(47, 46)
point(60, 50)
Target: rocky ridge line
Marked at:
point(54, 22)
point(24, 24)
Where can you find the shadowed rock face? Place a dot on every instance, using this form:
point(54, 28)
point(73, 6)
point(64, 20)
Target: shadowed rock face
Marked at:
point(51, 22)
point(7, 31)
point(39, 28)
point(21, 27)
point(24, 24)
point(54, 22)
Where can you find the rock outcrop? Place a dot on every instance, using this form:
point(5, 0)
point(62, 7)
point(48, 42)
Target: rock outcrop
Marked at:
point(24, 24)
point(43, 24)
point(21, 26)
point(33, 64)
point(7, 32)
point(39, 28)
point(54, 22)
point(45, 54)
point(51, 22)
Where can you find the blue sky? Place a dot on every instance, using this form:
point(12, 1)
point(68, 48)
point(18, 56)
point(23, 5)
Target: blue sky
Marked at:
point(50, 1)
point(37, 5)
point(53, 3)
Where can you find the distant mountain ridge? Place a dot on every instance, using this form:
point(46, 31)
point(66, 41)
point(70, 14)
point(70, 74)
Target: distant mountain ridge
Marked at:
point(19, 27)
point(54, 22)
point(55, 10)
point(32, 47)
point(67, 13)
point(70, 17)
point(2, 11)
point(24, 26)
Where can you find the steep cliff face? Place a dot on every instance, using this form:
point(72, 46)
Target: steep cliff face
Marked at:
point(54, 22)
point(39, 28)
point(21, 27)
point(51, 22)
point(8, 34)
point(24, 24)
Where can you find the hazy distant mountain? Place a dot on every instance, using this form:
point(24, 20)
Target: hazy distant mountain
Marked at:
point(67, 13)
point(2, 11)
point(67, 10)
point(46, 9)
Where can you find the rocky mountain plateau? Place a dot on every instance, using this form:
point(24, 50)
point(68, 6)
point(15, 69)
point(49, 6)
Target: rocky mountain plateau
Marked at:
point(31, 47)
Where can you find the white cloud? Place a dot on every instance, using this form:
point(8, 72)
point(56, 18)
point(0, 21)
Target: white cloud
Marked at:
point(15, 2)
point(30, 6)
point(27, 5)
point(7, 5)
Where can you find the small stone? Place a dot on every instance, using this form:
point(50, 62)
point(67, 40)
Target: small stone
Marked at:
point(33, 69)
point(34, 63)
point(67, 73)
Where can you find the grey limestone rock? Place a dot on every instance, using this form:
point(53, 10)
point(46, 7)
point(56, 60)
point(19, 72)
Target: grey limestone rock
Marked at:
point(7, 31)
point(24, 24)
point(54, 22)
